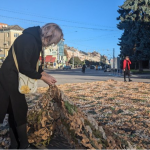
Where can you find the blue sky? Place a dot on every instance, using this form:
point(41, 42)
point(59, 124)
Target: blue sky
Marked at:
point(87, 24)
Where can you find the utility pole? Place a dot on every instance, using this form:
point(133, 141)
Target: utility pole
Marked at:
point(73, 59)
point(101, 60)
point(113, 59)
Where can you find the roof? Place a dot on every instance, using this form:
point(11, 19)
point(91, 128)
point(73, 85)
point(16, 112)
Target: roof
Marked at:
point(14, 27)
point(83, 52)
point(3, 24)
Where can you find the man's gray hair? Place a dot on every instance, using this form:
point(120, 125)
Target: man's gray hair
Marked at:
point(53, 32)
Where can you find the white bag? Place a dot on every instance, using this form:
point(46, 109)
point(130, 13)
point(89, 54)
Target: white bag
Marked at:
point(26, 84)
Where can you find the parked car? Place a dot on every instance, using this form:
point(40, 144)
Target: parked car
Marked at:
point(92, 67)
point(67, 68)
point(61, 67)
point(107, 70)
point(99, 67)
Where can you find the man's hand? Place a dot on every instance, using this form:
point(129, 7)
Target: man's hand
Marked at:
point(48, 78)
point(123, 69)
point(44, 73)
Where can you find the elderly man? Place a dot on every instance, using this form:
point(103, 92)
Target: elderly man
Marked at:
point(126, 68)
point(27, 48)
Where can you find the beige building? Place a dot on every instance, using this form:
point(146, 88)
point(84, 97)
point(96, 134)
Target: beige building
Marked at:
point(53, 51)
point(7, 37)
point(94, 56)
point(71, 52)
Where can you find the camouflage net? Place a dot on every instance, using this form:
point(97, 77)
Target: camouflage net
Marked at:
point(53, 113)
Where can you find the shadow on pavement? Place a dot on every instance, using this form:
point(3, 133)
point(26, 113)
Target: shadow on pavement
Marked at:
point(59, 142)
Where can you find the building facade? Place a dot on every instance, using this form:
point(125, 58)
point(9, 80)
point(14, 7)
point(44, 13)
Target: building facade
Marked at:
point(54, 55)
point(94, 56)
point(8, 34)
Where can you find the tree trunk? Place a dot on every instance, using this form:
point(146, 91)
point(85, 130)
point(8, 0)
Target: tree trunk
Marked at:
point(140, 66)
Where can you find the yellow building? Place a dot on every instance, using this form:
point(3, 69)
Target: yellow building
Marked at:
point(7, 37)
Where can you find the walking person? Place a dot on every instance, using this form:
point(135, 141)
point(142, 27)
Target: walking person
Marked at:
point(96, 67)
point(27, 48)
point(126, 68)
point(83, 68)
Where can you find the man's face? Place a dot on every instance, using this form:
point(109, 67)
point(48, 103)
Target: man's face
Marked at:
point(46, 41)
point(50, 35)
point(46, 37)
point(127, 58)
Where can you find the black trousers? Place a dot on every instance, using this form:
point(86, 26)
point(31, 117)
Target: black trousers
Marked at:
point(126, 72)
point(83, 70)
point(12, 127)
point(18, 134)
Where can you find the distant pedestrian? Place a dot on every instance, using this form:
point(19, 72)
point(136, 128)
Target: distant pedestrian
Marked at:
point(83, 68)
point(27, 48)
point(126, 68)
point(96, 67)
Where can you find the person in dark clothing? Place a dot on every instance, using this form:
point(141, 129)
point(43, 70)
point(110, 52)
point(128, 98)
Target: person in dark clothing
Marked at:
point(27, 48)
point(126, 68)
point(83, 68)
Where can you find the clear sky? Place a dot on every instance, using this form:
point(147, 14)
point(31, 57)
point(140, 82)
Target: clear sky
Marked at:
point(88, 25)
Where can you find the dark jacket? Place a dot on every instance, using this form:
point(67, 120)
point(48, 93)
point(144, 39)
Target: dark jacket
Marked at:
point(27, 48)
point(125, 62)
point(83, 67)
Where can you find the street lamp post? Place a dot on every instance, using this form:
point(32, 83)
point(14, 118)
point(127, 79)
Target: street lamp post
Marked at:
point(113, 60)
point(73, 59)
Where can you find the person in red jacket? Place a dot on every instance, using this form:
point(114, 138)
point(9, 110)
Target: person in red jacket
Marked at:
point(126, 68)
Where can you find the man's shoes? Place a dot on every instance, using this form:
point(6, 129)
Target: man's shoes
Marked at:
point(31, 146)
point(125, 80)
point(10, 148)
point(130, 80)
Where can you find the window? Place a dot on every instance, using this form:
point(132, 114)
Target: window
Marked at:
point(8, 43)
point(16, 34)
point(7, 34)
